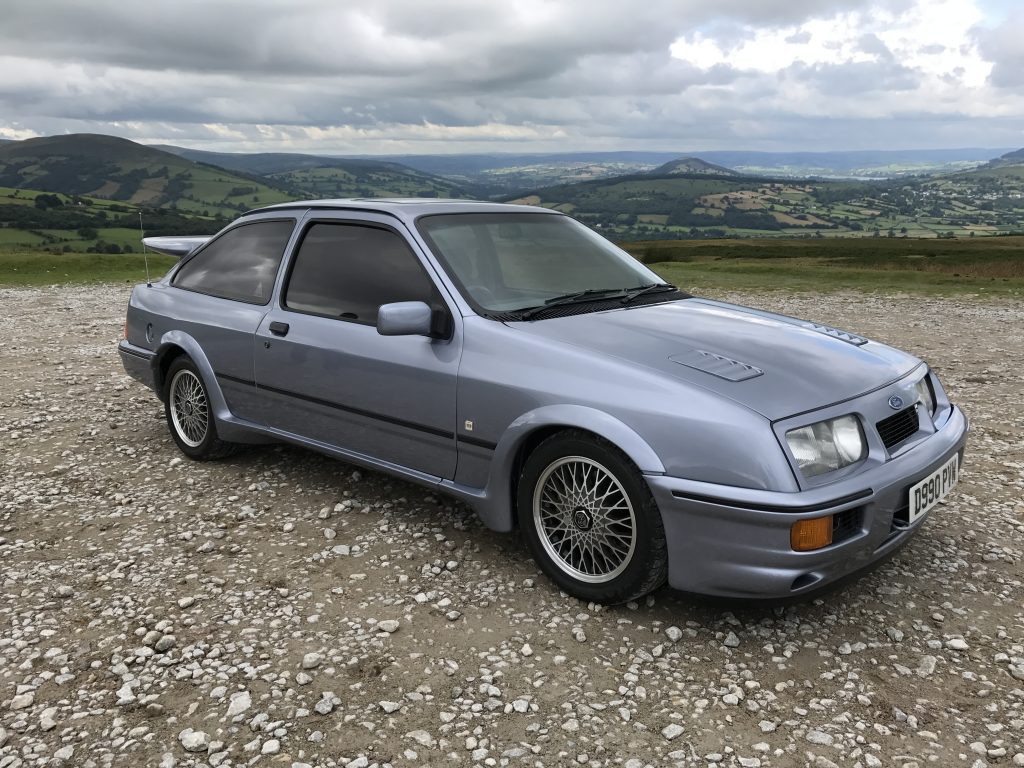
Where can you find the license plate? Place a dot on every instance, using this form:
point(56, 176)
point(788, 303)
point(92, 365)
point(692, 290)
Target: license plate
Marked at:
point(930, 491)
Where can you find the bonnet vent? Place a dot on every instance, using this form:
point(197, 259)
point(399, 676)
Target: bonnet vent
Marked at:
point(716, 365)
point(849, 338)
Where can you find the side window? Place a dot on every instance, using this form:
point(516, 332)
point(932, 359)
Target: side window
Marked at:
point(348, 270)
point(241, 264)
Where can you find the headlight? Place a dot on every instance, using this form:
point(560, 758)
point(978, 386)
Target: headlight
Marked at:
point(925, 396)
point(827, 445)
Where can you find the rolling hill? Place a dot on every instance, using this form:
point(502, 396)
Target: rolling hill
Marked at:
point(319, 176)
point(112, 168)
point(692, 166)
point(1010, 158)
point(686, 204)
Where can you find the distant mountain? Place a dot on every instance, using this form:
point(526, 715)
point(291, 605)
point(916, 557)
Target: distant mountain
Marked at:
point(694, 166)
point(1010, 158)
point(111, 168)
point(322, 176)
point(534, 170)
point(476, 164)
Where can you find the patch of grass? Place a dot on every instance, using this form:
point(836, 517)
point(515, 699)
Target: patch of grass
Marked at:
point(19, 268)
point(991, 265)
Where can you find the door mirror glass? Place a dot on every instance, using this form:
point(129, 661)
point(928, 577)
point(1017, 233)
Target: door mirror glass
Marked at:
point(405, 318)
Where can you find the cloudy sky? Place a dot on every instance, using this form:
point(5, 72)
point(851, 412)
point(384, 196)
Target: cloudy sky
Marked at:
point(392, 76)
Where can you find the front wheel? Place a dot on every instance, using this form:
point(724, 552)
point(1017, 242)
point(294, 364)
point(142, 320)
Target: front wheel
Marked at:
point(189, 416)
point(590, 519)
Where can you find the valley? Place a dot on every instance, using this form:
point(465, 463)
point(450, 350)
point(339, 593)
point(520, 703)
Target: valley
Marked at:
point(93, 193)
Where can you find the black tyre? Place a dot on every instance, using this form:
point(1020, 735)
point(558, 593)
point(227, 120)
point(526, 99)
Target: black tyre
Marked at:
point(189, 416)
point(590, 520)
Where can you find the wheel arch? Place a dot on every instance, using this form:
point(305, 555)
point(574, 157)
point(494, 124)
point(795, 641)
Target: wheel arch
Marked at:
point(175, 344)
point(497, 508)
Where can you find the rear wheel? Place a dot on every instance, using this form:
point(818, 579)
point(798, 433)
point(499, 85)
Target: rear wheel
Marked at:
point(189, 416)
point(590, 519)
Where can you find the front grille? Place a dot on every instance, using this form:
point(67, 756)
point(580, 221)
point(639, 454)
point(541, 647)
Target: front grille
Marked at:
point(898, 427)
point(846, 524)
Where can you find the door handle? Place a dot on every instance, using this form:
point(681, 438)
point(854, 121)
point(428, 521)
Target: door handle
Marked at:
point(279, 329)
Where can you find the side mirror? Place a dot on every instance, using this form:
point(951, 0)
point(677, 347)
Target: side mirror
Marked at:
point(405, 318)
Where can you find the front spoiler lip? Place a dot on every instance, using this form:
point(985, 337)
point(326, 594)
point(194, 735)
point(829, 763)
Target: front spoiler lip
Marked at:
point(734, 542)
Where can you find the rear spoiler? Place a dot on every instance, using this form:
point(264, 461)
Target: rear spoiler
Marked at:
point(175, 246)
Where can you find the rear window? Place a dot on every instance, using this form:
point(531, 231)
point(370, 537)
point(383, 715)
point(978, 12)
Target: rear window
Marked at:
point(241, 264)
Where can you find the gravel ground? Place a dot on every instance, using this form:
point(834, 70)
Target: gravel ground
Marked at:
point(280, 608)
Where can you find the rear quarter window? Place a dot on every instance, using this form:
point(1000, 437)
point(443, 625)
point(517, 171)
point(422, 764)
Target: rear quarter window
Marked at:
point(241, 264)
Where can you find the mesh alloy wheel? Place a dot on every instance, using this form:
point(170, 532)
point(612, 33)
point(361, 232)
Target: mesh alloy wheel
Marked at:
point(585, 519)
point(190, 411)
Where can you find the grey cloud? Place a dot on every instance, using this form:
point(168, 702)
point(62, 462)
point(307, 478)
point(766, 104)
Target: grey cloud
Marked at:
point(854, 78)
point(380, 74)
point(872, 44)
point(1002, 46)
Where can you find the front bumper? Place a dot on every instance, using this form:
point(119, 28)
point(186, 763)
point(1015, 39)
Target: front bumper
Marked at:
point(138, 363)
point(735, 542)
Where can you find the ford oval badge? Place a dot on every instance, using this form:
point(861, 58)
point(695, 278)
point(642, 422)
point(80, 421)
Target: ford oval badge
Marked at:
point(895, 402)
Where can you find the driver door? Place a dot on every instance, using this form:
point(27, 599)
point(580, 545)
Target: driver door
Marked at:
point(324, 373)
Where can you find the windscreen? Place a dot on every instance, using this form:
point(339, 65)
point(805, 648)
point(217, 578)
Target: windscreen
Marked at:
point(511, 261)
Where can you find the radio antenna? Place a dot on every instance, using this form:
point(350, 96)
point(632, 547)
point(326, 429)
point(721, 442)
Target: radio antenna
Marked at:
point(145, 253)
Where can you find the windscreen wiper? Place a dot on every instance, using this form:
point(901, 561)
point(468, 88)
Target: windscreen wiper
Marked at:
point(645, 289)
point(576, 297)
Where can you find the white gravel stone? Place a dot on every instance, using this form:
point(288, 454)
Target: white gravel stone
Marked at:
point(672, 731)
point(194, 741)
point(312, 660)
point(23, 701)
point(388, 625)
point(926, 666)
point(64, 753)
point(422, 738)
point(240, 702)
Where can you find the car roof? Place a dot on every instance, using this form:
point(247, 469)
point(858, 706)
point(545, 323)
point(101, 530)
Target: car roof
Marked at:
point(408, 207)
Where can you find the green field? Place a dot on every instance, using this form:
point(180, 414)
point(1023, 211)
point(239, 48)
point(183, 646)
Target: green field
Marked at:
point(987, 266)
point(42, 268)
point(983, 266)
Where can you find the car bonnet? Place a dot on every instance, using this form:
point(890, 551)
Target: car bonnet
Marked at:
point(774, 365)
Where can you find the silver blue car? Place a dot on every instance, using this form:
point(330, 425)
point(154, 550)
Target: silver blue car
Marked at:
point(511, 357)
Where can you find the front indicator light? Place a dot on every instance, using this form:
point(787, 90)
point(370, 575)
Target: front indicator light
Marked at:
point(815, 533)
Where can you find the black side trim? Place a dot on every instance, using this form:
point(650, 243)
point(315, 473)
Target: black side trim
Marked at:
point(246, 382)
point(477, 442)
point(140, 355)
point(775, 507)
point(348, 409)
